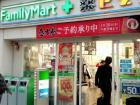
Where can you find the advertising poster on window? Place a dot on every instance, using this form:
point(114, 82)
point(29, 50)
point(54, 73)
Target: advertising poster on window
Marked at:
point(137, 52)
point(66, 88)
point(131, 86)
point(65, 56)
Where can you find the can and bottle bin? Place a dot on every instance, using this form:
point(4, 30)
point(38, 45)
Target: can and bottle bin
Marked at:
point(22, 91)
point(12, 99)
point(26, 92)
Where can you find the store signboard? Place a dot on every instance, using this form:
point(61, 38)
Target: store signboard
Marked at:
point(131, 86)
point(59, 9)
point(82, 28)
point(38, 9)
point(43, 84)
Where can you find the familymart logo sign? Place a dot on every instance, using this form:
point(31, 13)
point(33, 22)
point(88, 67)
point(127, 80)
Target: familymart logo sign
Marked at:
point(38, 9)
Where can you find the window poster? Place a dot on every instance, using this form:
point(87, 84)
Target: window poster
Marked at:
point(137, 52)
point(65, 57)
point(65, 91)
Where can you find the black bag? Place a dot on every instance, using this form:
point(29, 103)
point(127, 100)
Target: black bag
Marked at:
point(2, 85)
point(133, 101)
point(100, 101)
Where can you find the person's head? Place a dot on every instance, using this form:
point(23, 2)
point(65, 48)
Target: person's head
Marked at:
point(108, 60)
point(102, 62)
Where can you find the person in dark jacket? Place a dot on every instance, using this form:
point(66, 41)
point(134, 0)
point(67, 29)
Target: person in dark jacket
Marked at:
point(103, 79)
point(3, 87)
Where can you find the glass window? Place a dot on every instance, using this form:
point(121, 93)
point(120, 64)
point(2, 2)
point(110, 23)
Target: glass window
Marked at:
point(38, 56)
point(41, 56)
point(129, 64)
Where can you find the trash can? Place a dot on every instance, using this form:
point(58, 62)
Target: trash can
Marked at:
point(26, 92)
point(4, 100)
point(133, 101)
point(12, 99)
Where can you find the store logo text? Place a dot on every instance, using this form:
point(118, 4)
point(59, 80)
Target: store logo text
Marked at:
point(25, 13)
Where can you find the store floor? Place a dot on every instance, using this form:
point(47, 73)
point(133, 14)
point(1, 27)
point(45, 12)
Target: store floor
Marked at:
point(90, 95)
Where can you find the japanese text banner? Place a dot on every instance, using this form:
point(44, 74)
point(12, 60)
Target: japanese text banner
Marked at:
point(81, 28)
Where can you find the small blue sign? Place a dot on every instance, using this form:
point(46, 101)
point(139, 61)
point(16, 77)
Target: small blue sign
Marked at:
point(43, 93)
point(125, 65)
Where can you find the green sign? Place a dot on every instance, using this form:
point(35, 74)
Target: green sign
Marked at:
point(67, 6)
point(44, 75)
point(35, 10)
point(43, 84)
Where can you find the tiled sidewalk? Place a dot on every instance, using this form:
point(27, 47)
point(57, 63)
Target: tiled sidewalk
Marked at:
point(90, 95)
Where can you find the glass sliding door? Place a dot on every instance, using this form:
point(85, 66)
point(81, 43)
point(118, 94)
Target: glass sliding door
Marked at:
point(67, 74)
point(92, 53)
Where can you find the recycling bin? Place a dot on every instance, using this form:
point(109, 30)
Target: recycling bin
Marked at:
point(12, 99)
point(4, 100)
point(26, 92)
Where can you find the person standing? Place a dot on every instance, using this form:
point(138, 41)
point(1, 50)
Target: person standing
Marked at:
point(103, 79)
point(3, 87)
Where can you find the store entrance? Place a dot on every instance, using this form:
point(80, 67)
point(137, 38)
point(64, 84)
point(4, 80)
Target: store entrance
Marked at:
point(92, 55)
point(125, 71)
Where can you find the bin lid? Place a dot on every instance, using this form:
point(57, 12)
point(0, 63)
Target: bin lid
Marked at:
point(14, 81)
point(23, 83)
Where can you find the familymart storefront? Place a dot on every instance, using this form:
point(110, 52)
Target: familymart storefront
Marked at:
point(65, 37)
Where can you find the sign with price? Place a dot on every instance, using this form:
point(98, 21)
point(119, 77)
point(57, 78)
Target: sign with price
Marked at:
point(131, 86)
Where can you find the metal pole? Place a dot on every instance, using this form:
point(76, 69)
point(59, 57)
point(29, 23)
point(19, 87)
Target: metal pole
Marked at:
point(80, 75)
point(56, 75)
point(117, 78)
point(75, 76)
point(113, 69)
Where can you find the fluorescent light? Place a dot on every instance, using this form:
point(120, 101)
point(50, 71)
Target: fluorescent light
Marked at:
point(138, 40)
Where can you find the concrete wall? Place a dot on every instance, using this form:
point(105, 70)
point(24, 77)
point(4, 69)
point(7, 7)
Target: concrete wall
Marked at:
point(18, 61)
point(6, 56)
point(11, 59)
point(20, 33)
